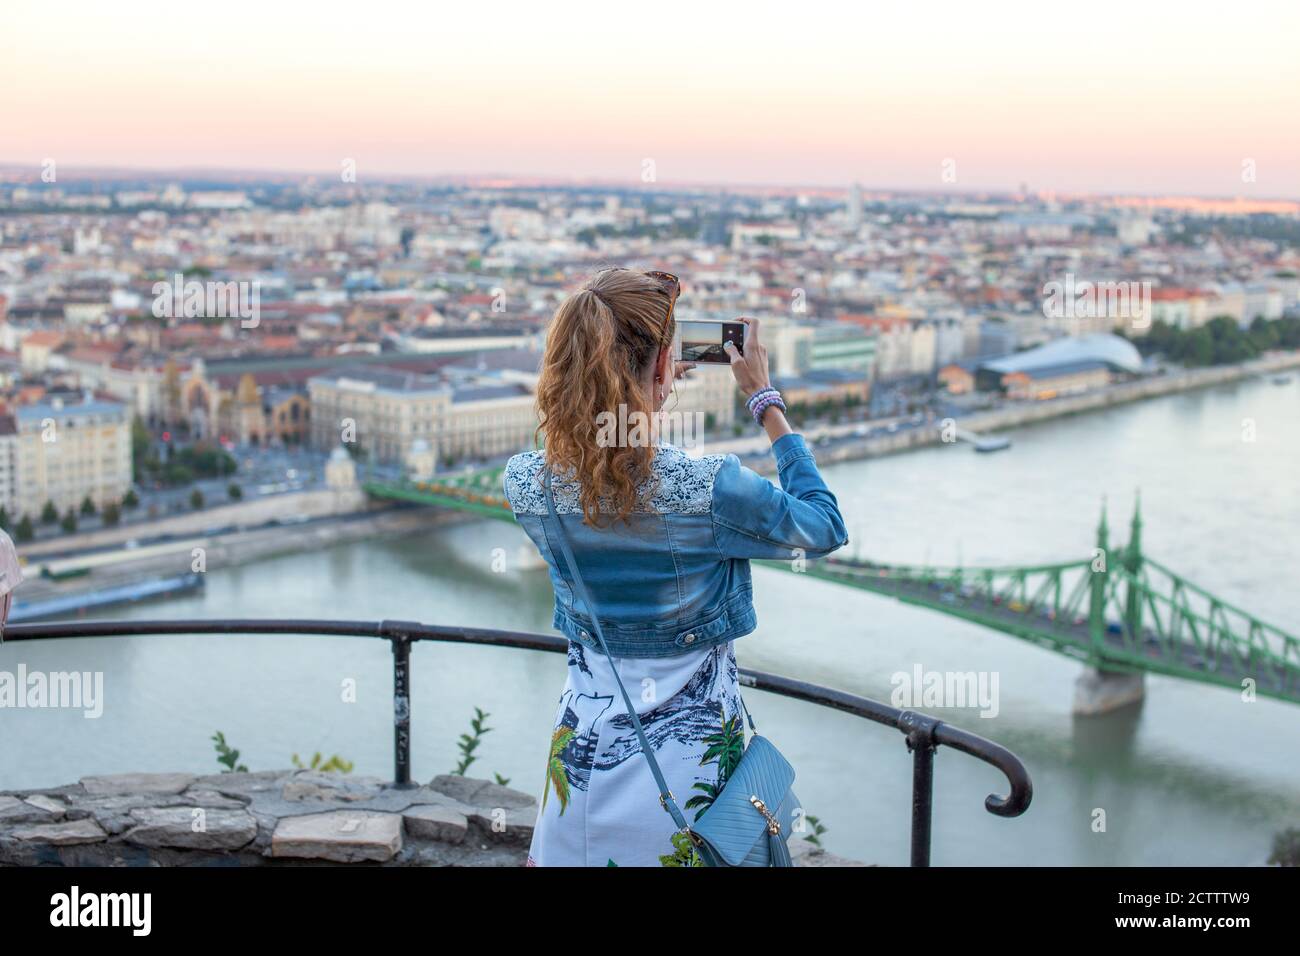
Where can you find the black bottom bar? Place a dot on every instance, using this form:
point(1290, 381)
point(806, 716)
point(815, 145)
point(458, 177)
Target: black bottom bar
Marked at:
point(985, 908)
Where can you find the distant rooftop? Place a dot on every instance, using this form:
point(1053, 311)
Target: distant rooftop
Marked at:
point(1115, 352)
point(463, 383)
point(56, 408)
point(483, 393)
point(384, 380)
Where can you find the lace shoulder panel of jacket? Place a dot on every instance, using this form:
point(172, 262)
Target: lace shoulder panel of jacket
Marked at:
point(684, 485)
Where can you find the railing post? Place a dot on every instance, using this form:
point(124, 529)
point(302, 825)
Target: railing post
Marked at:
point(401, 710)
point(919, 730)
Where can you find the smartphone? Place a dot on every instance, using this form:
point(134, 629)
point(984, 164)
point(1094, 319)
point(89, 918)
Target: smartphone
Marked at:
point(702, 341)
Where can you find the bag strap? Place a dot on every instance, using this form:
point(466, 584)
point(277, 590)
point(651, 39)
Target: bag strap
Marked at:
point(666, 799)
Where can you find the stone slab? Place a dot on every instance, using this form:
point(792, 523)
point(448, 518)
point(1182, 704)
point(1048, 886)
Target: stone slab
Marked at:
point(15, 810)
point(117, 784)
point(243, 784)
point(57, 808)
point(184, 828)
point(436, 822)
point(506, 824)
point(61, 834)
point(315, 785)
point(480, 793)
point(342, 836)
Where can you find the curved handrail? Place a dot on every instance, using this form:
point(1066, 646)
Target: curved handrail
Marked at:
point(1012, 805)
point(923, 733)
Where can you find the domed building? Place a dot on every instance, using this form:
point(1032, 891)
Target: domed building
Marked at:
point(1065, 366)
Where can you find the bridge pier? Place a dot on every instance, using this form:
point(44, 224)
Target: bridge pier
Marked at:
point(1100, 691)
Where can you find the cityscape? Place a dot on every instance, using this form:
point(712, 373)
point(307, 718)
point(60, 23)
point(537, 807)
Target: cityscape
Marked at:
point(404, 323)
point(275, 597)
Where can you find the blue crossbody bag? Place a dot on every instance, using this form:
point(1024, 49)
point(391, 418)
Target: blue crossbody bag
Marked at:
point(750, 821)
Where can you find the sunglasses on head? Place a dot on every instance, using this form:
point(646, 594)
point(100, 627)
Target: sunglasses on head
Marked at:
point(673, 287)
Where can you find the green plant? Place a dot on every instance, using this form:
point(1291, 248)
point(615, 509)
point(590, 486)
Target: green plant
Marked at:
point(112, 515)
point(25, 531)
point(226, 756)
point(335, 764)
point(87, 506)
point(196, 499)
point(69, 522)
point(4, 519)
point(235, 492)
point(130, 499)
point(49, 514)
point(202, 459)
point(468, 743)
point(815, 837)
point(683, 853)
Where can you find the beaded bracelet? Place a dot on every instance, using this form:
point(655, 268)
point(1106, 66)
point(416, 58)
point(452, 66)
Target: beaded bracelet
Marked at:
point(757, 397)
point(765, 402)
point(764, 405)
point(753, 399)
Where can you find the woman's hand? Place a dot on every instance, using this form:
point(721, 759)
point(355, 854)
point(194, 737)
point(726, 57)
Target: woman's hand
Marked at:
point(750, 368)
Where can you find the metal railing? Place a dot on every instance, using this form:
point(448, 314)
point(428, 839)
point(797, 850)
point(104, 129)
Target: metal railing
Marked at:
point(923, 734)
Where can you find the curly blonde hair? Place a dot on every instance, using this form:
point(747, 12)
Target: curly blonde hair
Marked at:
point(599, 348)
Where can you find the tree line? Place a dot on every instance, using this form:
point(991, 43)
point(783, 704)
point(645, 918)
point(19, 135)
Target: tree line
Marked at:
point(1221, 341)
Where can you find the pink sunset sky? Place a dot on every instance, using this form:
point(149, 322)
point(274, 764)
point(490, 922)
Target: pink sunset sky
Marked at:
point(1098, 97)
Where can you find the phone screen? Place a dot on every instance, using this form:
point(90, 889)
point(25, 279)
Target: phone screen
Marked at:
point(703, 341)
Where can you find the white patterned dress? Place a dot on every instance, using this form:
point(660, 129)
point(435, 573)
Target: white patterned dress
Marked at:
point(601, 804)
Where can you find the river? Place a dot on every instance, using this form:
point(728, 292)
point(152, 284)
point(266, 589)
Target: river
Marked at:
point(1195, 776)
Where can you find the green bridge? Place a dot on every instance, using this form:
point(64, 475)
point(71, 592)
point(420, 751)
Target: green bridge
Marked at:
point(1116, 610)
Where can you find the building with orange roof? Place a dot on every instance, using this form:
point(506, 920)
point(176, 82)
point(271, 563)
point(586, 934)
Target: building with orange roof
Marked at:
point(1180, 307)
point(37, 347)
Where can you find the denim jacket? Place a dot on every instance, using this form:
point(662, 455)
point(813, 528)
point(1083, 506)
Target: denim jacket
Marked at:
point(676, 579)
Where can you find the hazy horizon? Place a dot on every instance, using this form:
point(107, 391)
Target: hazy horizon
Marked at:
point(496, 179)
point(1110, 100)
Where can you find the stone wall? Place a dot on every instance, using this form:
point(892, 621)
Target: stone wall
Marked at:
point(268, 818)
point(279, 817)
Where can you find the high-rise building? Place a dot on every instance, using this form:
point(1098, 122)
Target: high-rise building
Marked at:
point(855, 206)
